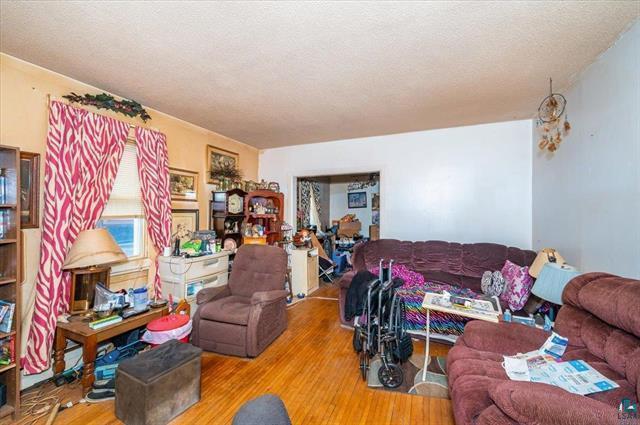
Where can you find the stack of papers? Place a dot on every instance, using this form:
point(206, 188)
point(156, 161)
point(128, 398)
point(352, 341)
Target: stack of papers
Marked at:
point(543, 366)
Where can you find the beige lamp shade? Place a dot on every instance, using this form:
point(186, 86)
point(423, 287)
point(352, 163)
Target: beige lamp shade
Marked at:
point(93, 248)
point(547, 255)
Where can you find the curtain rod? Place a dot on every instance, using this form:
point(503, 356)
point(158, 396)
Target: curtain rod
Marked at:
point(51, 97)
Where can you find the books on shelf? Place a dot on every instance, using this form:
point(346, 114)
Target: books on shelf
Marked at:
point(9, 309)
point(7, 350)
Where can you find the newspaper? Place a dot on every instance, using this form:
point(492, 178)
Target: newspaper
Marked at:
point(575, 376)
point(544, 366)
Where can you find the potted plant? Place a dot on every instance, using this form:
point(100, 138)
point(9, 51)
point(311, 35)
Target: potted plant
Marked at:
point(226, 175)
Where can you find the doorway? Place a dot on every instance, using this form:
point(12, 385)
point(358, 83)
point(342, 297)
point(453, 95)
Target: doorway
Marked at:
point(347, 205)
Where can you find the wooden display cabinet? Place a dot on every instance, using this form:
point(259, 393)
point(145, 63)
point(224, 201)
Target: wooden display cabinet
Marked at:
point(227, 213)
point(272, 221)
point(10, 273)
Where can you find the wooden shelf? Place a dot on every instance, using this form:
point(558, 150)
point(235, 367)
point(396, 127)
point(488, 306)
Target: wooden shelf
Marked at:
point(7, 280)
point(8, 205)
point(6, 410)
point(7, 241)
point(7, 367)
point(254, 215)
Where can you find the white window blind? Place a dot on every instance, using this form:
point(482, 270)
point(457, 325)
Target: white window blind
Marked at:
point(125, 199)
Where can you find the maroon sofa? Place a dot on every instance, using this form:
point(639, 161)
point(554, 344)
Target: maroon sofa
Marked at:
point(438, 261)
point(601, 318)
point(245, 316)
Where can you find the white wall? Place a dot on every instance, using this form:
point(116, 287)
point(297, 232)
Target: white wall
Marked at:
point(339, 205)
point(586, 197)
point(465, 184)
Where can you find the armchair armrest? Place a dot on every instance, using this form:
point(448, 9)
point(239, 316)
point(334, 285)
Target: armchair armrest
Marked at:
point(209, 294)
point(266, 297)
point(535, 403)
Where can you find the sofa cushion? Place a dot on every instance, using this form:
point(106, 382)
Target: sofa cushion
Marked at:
point(437, 256)
point(518, 285)
point(233, 309)
point(389, 249)
point(480, 257)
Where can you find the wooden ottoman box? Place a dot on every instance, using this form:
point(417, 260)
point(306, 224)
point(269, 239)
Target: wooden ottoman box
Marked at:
point(158, 385)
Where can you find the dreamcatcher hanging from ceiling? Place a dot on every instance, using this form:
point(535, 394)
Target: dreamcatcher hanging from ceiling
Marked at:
point(552, 120)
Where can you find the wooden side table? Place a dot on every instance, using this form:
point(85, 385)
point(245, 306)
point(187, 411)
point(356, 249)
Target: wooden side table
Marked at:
point(79, 331)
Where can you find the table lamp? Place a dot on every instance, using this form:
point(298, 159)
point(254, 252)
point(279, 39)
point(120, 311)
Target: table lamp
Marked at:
point(89, 261)
point(551, 281)
point(547, 255)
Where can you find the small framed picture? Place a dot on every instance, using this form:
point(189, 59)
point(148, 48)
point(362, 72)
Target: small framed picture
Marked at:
point(375, 201)
point(357, 199)
point(184, 223)
point(183, 185)
point(29, 190)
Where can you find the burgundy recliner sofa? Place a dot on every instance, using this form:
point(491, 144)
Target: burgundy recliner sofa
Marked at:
point(438, 261)
point(600, 316)
point(243, 317)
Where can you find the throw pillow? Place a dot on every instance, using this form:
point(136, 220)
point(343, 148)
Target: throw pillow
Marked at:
point(518, 285)
point(492, 283)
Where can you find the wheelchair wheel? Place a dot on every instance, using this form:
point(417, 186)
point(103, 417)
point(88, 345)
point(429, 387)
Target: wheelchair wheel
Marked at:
point(357, 340)
point(364, 364)
point(391, 375)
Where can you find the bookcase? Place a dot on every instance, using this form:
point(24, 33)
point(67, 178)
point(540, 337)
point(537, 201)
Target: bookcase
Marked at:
point(10, 273)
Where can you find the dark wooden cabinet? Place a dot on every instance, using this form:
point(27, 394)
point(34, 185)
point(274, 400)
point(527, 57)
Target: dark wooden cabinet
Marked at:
point(227, 213)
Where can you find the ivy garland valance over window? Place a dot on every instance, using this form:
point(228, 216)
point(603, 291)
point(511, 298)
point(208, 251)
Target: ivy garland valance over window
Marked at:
point(127, 107)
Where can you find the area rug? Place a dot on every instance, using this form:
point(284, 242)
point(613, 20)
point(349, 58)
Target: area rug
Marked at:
point(435, 385)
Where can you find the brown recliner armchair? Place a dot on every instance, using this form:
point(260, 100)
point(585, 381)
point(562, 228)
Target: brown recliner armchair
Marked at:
point(245, 316)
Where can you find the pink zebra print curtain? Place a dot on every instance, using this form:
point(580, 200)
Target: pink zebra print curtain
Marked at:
point(83, 154)
point(153, 169)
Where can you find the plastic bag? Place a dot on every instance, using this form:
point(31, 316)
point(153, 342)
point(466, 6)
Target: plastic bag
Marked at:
point(104, 297)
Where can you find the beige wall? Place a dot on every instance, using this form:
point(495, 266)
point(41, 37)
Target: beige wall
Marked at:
point(23, 123)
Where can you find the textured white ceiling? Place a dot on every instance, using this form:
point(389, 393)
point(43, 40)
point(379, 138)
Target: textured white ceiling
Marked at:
point(283, 73)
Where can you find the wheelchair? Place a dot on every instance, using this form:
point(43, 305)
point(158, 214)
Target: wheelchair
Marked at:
point(380, 331)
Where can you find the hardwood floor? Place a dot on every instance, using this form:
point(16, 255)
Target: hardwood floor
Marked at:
point(312, 367)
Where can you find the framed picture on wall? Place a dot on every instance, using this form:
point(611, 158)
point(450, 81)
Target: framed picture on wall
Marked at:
point(183, 223)
point(29, 193)
point(357, 199)
point(218, 158)
point(183, 185)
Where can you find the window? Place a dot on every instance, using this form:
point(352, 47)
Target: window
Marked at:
point(123, 215)
point(128, 233)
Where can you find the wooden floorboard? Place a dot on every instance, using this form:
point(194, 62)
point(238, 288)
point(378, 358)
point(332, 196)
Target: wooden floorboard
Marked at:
point(311, 366)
